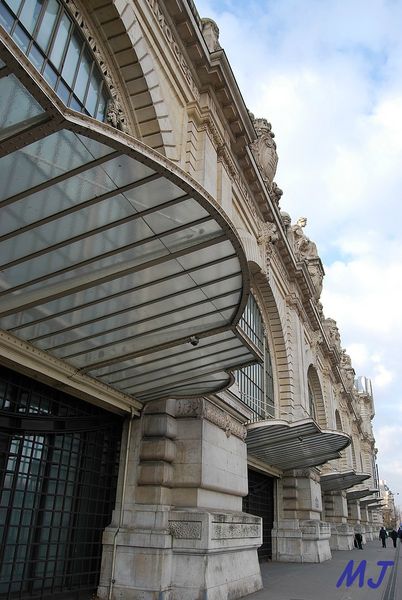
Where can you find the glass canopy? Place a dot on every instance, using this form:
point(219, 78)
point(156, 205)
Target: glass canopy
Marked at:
point(294, 446)
point(112, 258)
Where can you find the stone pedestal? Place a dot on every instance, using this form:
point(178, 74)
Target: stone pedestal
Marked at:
point(299, 535)
point(301, 541)
point(182, 534)
point(336, 513)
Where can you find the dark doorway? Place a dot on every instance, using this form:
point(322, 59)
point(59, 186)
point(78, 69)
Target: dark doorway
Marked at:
point(260, 502)
point(58, 474)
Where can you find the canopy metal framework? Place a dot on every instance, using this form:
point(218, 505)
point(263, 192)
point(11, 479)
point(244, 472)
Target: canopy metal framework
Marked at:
point(331, 482)
point(296, 445)
point(112, 258)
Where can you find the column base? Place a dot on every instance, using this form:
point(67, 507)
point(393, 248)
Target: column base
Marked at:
point(187, 555)
point(342, 536)
point(301, 541)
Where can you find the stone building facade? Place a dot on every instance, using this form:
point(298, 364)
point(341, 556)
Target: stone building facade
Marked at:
point(175, 403)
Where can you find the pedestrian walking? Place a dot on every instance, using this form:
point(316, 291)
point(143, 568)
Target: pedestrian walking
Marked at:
point(400, 533)
point(383, 536)
point(394, 537)
point(359, 541)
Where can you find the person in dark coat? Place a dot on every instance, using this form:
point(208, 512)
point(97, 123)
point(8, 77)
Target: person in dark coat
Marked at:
point(400, 533)
point(383, 536)
point(394, 537)
point(358, 541)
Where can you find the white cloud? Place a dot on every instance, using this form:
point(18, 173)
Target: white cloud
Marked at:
point(328, 75)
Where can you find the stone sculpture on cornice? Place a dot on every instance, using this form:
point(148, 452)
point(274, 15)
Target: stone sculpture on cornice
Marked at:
point(210, 31)
point(332, 332)
point(266, 157)
point(267, 236)
point(347, 370)
point(306, 250)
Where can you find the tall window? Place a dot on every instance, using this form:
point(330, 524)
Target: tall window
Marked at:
point(53, 42)
point(256, 381)
point(311, 402)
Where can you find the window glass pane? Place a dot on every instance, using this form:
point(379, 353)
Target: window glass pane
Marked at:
point(84, 70)
point(71, 60)
point(21, 38)
point(56, 154)
point(14, 5)
point(6, 19)
point(30, 13)
point(36, 57)
point(101, 110)
point(48, 22)
point(16, 103)
point(93, 92)
point(60, 41)
point(50, 75)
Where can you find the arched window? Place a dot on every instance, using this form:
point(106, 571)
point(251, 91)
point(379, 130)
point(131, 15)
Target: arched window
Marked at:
point(338, 421)
point(256, 381)
point(311, 402)
point(55, 45)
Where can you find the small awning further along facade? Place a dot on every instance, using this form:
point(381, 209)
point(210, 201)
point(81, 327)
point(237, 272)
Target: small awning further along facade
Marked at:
point(112, 258)
point(294, 445)
point(358, 494)
point(331, 482)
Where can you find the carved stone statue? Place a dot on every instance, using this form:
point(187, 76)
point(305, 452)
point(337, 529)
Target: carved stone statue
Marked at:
point(115, 115)
point(347, 370)
point(267, 236)
point(276, 193)
point(264, 150)
point(304, 248)
point(332, 331)
point(210, 31)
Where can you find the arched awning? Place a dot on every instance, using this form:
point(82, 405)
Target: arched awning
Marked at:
point(294, 445)
point(342, 480)
point(358, 494)
point(112, 258)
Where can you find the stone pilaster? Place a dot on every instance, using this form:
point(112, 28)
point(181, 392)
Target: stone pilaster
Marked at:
point(181, 533)
point(336, 513)
point(299, 535)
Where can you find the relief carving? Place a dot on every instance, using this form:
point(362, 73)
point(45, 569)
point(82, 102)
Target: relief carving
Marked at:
point(115, 114)
point(267, 236)
point(185, 530)
point(204, 409)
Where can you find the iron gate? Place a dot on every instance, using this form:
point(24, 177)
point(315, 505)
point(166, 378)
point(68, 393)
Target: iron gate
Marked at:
point(58, 474)
point(260, 502)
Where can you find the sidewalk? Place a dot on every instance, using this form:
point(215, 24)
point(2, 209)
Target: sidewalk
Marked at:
point(289, 581)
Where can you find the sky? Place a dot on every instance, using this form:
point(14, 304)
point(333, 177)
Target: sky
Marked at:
point(328, 75)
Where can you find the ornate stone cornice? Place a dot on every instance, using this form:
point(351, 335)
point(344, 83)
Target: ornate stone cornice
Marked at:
point(204, 409)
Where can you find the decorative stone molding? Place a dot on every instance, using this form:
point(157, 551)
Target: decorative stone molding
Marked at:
point(202, 408)
point(225, 531)
point(316, 341)
point(225, 158)
point(185, 530)
point(115, 114)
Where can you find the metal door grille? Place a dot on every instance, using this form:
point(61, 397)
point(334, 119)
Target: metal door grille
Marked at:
point(57, 490)
point(260, 502)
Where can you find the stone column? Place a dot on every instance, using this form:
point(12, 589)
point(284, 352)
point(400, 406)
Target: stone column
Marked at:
point(299, 535)
point(336, 513)
point(182, 534)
